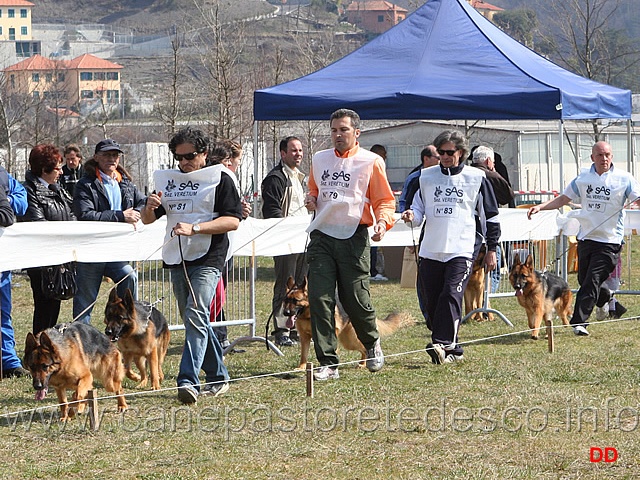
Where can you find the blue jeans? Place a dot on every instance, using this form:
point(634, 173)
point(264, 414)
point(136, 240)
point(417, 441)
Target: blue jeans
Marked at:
point(494, 275)
point(202, 349)
point(10, 359)
point(89, 278)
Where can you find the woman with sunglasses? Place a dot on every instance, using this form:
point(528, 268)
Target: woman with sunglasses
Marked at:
point(460, 213)
point(202, 205)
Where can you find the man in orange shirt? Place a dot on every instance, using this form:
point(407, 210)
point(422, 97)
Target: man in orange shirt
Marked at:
point(349, 192)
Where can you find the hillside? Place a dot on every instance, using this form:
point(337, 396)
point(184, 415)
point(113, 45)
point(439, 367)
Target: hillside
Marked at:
point(141, 16)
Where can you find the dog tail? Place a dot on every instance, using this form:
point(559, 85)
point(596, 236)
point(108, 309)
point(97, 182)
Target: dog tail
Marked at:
point(393, 322)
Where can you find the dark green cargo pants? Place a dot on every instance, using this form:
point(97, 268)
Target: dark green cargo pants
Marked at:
point(343, 264)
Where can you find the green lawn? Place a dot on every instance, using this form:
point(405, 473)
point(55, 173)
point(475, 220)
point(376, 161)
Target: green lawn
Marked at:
point(511, 410)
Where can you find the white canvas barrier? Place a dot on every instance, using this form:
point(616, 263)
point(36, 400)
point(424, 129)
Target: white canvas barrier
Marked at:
point(25, 245)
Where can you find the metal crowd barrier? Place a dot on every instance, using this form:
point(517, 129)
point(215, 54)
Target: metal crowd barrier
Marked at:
point(154, 286)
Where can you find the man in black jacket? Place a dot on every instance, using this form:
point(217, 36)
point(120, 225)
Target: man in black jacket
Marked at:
point(283, 196)
point(72, 170)
point(106, 193)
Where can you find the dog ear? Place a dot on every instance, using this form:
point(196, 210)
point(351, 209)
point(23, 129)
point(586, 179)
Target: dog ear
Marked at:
point(113, 296)
point(529, 262)
point(46, 342)
point(290, 283)
point(30, 343)
point(516, 259)
point(304, 284)
point(128, 300)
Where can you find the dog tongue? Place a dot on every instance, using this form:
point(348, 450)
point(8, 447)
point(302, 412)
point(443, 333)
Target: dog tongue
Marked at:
point(291, 322)
point(519, 292)
point(40, 394)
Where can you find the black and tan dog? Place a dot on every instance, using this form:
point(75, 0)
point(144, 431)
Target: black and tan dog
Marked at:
point(142, 334)
point(67, 357)
point(474, 292)
point(296, 308)
point(539, 293)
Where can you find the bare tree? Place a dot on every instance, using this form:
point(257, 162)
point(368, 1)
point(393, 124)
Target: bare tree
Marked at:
point(589, 44)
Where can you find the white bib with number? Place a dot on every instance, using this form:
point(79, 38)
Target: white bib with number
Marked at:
point(188, 198)
point(342, 187)
point(449, 209)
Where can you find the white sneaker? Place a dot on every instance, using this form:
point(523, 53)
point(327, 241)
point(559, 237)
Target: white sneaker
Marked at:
point(326, 373)
point(580, 331)
point(602, 312)
point(379, 278)
point(375, 357)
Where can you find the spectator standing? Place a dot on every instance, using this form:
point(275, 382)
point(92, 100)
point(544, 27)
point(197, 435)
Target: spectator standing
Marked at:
point(283, 196)
point(16, 196)
point(47, 202)
point(483, 158)
point(429, 157)
point(377, 254)
point(603, 191)
point(348, 191)
point(197, 257)
point(72, 170)
point(105, 193)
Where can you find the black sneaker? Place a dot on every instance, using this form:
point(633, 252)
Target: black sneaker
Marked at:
point(618, 312)
point(15, 373)
point(436, 352)
point(187, 394)
point(214, 389)
point(285, 341)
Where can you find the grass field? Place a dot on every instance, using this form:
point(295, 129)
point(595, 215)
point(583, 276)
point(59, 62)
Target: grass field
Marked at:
point(511, 410)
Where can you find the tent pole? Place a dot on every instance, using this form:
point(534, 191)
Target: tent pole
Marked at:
point(562, 243)
point(631, 165)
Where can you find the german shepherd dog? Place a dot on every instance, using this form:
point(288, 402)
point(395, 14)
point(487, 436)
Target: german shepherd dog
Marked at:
point(142, 334)
point(296, 308)
point(67, 357)
point(474, 292)
point(539, 293)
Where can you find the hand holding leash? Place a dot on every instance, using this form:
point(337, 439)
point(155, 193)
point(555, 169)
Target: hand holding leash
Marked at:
point(407, 216)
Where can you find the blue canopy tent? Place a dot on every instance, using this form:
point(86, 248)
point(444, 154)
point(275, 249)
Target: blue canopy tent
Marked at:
point(445, 62)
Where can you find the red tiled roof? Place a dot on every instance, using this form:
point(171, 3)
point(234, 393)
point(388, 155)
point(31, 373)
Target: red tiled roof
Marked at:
point(15, 3)
point(86, 61)
point(37, 62)
point(480, 5)
point(91, 62)
point(374, 5)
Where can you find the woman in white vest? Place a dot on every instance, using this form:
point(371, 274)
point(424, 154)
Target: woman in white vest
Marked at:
point(460, 213)
point(202, 204)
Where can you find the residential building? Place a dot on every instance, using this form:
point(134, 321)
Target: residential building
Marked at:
point(15, 28)
point(486, 9)
point(375, 16)
point(80, 83)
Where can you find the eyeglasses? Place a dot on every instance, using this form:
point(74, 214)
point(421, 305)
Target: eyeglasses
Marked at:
point(447, 152)
point(185, 156)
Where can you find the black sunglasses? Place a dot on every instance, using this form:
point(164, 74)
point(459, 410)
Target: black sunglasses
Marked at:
point(185, 156)
point(447, 152)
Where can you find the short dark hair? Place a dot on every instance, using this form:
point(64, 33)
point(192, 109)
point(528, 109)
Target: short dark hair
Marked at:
point(379, 150)
point(44, 158)
point(457, 138)
point(284, 143)
point(218, 152)
point(72, 147)
point(426, 152)
point(345, 112)
point(195, 137)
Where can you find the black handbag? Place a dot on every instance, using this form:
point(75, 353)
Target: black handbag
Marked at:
point(59, 281)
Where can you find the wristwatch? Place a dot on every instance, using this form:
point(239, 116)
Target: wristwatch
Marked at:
point(196, 228)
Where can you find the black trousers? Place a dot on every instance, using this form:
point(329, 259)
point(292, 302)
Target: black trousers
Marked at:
point(442, 287)
point(45, 310)
point(596, 261)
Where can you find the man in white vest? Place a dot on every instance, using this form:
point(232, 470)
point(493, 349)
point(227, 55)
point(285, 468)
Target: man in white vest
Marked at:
point(603, 191)
point(349, 192)
point(202, 205)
